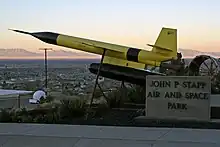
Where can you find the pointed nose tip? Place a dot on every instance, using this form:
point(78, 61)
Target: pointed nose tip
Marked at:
point(48, 37)
point(19, 31)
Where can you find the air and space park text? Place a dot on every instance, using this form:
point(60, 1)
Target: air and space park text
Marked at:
point(178, 92)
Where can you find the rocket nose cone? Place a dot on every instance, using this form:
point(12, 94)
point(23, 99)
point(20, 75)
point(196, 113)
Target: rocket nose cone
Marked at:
point(47, 37)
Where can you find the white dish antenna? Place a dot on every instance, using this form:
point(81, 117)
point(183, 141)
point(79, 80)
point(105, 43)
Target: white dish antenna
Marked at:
point(37, 96)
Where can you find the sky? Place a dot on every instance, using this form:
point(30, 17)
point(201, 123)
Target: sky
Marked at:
point(132, 23)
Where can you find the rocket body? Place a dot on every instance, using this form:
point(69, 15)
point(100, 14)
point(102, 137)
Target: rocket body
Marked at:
point(97, 47)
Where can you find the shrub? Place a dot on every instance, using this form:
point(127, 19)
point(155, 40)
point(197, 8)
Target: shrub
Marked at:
point(98, 93)
point(47, 100)
point(114, 99)
point(136, 94)
point(23, 111)
point(50, 98)
point(72, 108)
point(100, 110)
point(21, 115)
point(5, 115)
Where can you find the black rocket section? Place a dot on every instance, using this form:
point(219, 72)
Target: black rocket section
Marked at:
point(48, 37)
point(120, 73)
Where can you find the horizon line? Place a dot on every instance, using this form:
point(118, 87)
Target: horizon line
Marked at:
point(73, 50)
point(98, 58)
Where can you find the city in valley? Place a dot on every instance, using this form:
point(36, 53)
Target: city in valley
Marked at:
point(66, 78)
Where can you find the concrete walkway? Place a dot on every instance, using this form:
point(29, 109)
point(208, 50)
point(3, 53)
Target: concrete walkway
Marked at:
point(44, 135)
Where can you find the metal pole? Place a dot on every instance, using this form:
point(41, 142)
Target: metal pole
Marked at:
point(19, 101)
point(45, 63)
point(45, 68)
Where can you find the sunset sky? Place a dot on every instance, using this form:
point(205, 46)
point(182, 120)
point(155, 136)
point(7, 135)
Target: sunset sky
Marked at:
point(126, 22)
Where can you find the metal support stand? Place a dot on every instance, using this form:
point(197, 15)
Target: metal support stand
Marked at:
point(96, 81)
point(19, 101)
point(101, 90)
point(122, 92)
point(122, 84)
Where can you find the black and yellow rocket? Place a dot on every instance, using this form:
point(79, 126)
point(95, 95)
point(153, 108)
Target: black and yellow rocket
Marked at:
point(118, 56)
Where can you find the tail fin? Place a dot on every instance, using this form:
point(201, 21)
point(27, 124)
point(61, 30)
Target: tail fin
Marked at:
point(166, 42)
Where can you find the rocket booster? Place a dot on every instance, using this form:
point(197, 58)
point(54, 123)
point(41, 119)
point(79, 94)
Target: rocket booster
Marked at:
point(97, 47)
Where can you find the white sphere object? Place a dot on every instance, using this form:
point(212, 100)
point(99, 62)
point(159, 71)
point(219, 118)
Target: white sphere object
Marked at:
point(39, 94)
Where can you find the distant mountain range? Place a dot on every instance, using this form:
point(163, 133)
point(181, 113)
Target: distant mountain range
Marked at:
point(189, 53)
point(25, 54)
point(62, 54)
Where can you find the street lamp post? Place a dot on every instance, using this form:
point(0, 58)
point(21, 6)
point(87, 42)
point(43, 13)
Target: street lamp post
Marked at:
point(45, 63)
